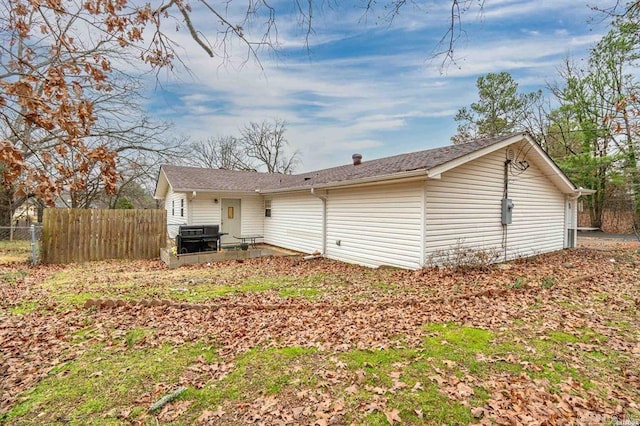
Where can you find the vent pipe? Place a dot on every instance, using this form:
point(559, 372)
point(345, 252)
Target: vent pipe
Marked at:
point(357, 159)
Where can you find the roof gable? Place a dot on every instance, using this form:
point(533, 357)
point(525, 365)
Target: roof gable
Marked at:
point(535, 153)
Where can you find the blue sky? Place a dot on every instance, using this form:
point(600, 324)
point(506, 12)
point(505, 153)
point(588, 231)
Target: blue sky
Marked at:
point(365, 86)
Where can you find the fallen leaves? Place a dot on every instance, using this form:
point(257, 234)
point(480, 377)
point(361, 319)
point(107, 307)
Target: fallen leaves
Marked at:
point(523, 400)
point(209, 417)
point(172, 411)
point(310, 407)
point(591, 296)
point(393, 416)
point(201, 373)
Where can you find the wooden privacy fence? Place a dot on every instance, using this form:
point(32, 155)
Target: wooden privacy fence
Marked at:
point(79, 235)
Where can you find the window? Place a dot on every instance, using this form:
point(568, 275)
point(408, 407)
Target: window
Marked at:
point(267, 208)
point(173, 207)
point(182, 207)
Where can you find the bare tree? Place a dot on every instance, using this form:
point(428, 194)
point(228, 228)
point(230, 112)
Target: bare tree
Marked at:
point(224, 152)
point(45, 161)
point(265, 142)
point(58, 55)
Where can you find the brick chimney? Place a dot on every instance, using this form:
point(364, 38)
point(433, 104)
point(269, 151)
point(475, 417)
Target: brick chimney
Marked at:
point(357, 159)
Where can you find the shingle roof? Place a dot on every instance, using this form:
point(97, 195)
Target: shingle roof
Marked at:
point(194, 178)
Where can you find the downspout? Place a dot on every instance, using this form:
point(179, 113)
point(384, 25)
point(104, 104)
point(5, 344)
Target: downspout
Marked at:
point(324, 219)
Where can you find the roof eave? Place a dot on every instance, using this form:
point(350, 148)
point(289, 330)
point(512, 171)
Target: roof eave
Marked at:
point(161, 182)
point(218, 191)
point(584, 191)
point(379, 179)
point(456, 162)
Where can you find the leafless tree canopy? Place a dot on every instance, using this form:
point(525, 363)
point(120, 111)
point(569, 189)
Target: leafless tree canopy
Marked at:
point(219, 153)
point(261, 146)
point(265, 143)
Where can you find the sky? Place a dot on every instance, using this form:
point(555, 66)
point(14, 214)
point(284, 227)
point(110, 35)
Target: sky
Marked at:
point(362, 84)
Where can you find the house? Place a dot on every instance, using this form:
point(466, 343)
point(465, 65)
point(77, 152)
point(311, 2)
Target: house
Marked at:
point(502, 194)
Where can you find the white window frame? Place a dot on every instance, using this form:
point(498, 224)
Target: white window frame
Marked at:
point(267, 208)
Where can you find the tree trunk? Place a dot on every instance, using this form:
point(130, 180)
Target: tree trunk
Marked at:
point(6, 206)
point(597, 200)
point(40, 211)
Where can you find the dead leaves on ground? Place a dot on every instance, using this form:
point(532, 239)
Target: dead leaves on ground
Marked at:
point(583, 290)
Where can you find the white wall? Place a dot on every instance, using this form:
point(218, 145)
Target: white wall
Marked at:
point(205, 211)
point(464, 207)
point(252, 214)
point(174, 220)
point(295, 222)
point(377, 225)
point(538, 216)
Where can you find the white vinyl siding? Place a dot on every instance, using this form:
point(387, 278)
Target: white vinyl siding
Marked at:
point(295, 222)
point(378, 225)
point(204, 210)
point(252, 215)
point(538, 215)
point(172, 201)
point(463, 208)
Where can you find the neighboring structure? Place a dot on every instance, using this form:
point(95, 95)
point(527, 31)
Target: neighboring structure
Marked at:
point(501, 194)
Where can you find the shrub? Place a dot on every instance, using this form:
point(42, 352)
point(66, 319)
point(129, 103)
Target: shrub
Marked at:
point(463, 258)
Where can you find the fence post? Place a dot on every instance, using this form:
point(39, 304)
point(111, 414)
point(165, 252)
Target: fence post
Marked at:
point(33, 244)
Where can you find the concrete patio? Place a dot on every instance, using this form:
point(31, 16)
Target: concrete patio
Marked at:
point(261, 250)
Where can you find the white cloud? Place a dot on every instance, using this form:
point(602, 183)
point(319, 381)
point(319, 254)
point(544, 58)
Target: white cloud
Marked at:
point(338, 102)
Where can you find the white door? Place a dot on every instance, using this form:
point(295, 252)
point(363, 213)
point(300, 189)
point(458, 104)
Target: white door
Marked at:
point(230, 220)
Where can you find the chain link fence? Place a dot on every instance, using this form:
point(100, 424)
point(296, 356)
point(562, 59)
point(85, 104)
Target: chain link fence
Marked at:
point(24, 236)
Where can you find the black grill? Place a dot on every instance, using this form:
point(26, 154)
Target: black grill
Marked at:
point(198, 238)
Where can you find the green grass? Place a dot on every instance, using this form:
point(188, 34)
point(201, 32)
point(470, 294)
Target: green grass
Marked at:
point(449, 348)
point(273, 369)
point(133, 336)
point(519, 283)
point(71, 287)
point(104, 380)
point(99, 382)
point(449, 342)
point(256, 373)
point(547, 282)
point(462, 345)
point(413, 369)
point(12, 276)
point(24, 308)
point(104, 372)
point(14, 251)
point(303, 293)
